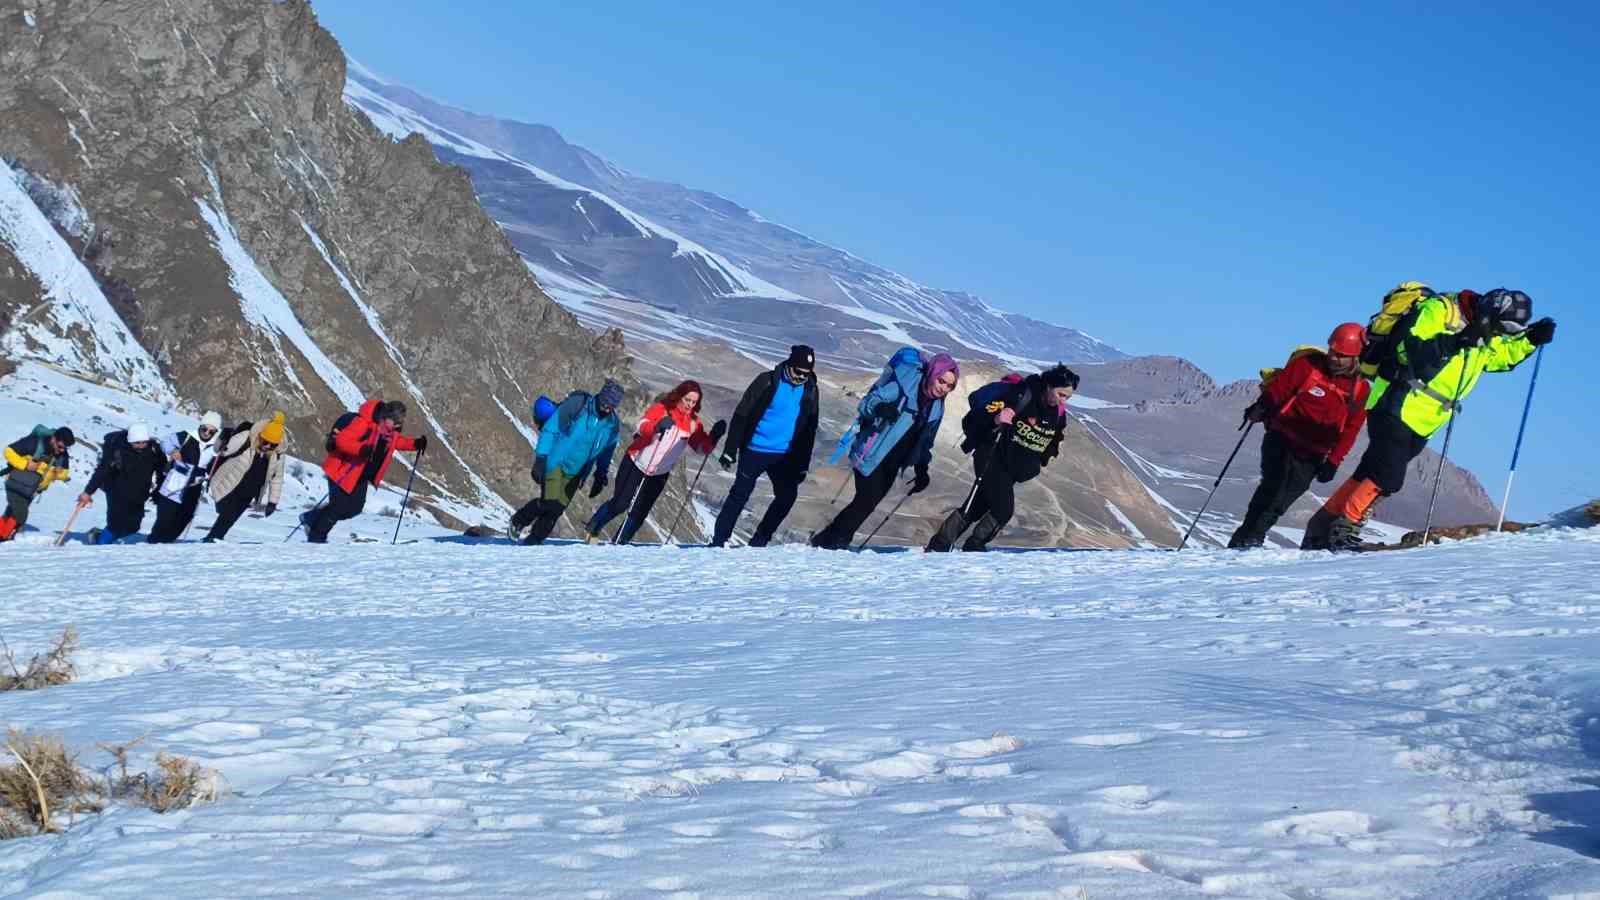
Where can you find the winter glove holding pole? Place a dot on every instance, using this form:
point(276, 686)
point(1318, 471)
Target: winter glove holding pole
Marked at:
point(1542, 332)
point(599, 486)
point(728, 458)
point(539, 463)
point(421, 444)
point(921, 482)
point(1255, 412)
point(718, 430)
point(1326, 471)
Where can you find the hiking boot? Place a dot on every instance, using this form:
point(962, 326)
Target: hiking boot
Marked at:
point(592, 538)
point(1344, 535)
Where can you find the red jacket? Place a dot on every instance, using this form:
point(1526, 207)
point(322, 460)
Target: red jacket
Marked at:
point(353, 446)
point(1317, 414)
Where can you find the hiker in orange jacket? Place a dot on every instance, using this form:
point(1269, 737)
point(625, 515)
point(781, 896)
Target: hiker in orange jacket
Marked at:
point(362, 445)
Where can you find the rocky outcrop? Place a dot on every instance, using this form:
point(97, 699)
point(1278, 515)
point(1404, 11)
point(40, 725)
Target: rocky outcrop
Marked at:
point(268, 246)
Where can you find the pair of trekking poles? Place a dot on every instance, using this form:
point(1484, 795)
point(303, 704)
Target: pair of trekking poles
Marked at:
point(1438, 475)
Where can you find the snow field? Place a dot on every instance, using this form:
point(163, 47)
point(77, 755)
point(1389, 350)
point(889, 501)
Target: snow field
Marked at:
point(441, 718)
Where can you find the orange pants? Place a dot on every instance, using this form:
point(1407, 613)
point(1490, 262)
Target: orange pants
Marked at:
point(1354, 499)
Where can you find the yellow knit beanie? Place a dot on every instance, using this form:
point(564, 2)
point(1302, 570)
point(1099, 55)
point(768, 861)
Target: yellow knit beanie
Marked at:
point(272, 432)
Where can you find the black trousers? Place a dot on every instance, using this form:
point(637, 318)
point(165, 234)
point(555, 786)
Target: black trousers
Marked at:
point(1391, 446)
point(870, 491)
point(1285, 476)
point(340, 506)
point(172, 516)
point(785, 488)
point(17, 506)
point(229, 509)
point(991, 508)
point(631, 483)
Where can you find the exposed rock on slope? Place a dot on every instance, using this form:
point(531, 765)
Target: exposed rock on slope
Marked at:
point(265, 244)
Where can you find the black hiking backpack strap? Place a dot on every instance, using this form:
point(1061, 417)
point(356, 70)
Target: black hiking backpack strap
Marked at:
point(224, 438)
point(339, 425)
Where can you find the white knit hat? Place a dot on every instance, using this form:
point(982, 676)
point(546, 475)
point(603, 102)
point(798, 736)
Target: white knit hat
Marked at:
point(211, 420)
point(138, 432)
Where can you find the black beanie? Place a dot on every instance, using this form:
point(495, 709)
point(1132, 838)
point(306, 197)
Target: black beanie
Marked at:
point(1060, 376)
point(803, 358)
point(394, 410)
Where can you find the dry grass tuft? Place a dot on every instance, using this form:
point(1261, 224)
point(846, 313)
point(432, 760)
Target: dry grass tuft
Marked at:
point(46, 783)
point(44, 670)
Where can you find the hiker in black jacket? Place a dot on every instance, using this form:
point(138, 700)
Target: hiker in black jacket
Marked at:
point(772, 433)
point(189, 459)
point(1013, 430)
point(130, 468)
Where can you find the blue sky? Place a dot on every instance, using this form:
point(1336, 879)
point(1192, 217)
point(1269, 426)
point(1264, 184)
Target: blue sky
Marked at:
point(1172, 178)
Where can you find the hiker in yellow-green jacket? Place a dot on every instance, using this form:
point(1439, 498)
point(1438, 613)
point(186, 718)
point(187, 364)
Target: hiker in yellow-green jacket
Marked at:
point(1439, 351)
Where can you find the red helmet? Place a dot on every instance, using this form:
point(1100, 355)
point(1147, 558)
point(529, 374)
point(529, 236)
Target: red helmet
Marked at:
point(1348, 339)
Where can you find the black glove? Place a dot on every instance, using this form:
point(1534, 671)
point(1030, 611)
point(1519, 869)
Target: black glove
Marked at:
point(1255, 412)
point(718, 430)
point(729, 457)
point(886, 410)
point(1542, 332)
point(922, 481)
point(599, 486)
point(422, 443)
point(269, 510)
point(539, 462)
point(1326, 471)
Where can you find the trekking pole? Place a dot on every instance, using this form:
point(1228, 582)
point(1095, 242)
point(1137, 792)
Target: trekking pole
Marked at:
point(62, 538)
point(1444, 453)
point(407, 499)
point(1216, 484)
point(976, 482)
point(1517, 449)
point(686, 497)
point(314, 507)
point(884, 521)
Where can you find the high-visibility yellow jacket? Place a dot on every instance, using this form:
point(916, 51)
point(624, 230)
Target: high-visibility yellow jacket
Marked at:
point(1440, 362)
point(32, 467)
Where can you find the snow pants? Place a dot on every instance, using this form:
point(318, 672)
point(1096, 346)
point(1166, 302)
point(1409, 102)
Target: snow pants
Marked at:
point(631, 483)
point(172, 517)
point(543, 513)
point(870, 491)
point(991, 508)
point(1391, 446)
point(1285, 476)
point(230, 508)
point(785, 488)
point(339, 507)
point(124, 515)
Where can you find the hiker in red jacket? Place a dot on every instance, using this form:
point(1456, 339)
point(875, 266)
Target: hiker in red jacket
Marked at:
point(1313, 409)
point(362, 445)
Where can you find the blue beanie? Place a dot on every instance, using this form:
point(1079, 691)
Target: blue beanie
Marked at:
point(610, 395)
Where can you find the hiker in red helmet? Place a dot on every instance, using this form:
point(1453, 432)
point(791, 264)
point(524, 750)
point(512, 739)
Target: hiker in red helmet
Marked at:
point(1313, 409)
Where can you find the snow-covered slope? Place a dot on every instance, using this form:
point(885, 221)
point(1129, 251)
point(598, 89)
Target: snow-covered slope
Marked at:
point(576, 219)
point(572, 721)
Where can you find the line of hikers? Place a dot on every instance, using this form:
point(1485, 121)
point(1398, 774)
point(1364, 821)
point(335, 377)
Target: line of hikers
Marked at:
point(1424, 353)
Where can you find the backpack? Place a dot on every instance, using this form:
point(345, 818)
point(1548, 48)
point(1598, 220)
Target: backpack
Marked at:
point(1389, 326)
point(41, 435)
point(901, 357)
point(1271, 372)
point(543, 409)
point(339, 424)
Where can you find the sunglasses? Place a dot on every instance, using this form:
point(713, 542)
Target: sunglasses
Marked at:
point(207, 431)
point(267, 445)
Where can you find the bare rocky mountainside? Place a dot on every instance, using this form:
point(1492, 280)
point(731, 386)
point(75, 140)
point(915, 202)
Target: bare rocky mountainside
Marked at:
point(203, 203)
point(262, 243)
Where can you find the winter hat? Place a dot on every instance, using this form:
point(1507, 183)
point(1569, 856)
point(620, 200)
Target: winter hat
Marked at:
point(802, 357)
point(138, 432)
point(938, 365)
point(1060, 376)
point(212, 420)
point(610, 395)
point(394, 410)
point(272, 432)
point(65, 436)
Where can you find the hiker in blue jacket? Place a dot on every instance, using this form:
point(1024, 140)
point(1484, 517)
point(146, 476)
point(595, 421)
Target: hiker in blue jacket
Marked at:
point(579, 438)
point(772, 433)
point(896, 423)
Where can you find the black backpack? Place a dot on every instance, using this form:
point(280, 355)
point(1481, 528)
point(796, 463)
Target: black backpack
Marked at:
point(339, 424)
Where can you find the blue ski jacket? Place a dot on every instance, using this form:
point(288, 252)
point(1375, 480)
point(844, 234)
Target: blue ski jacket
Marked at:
point(577, 438)
point(891, 409)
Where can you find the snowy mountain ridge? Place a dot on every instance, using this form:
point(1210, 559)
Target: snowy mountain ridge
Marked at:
point(757, 259)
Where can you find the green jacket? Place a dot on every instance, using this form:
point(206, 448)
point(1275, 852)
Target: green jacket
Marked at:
point(1439, 363)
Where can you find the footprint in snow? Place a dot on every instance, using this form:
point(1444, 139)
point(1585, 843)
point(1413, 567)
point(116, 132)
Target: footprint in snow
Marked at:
point(1114, 739)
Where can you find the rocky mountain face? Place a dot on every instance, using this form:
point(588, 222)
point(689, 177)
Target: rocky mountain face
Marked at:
point(191, 208)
